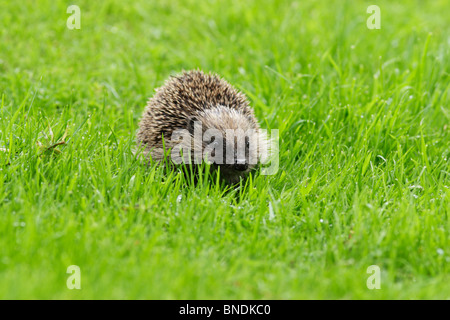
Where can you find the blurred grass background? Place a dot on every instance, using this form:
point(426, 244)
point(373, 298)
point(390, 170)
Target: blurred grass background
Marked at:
point(364, 124)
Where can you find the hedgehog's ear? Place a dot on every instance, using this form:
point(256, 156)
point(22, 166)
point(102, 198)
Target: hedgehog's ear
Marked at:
point(190, 123)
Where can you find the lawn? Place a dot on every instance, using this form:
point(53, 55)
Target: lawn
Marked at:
point(364, 176)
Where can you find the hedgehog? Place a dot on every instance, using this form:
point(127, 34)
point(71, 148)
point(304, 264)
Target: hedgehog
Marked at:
point(214, 120)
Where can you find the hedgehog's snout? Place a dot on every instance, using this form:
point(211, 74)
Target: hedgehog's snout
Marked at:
point(240, 165)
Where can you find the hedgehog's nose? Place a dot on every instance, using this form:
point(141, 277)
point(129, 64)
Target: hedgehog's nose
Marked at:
point(240, 166)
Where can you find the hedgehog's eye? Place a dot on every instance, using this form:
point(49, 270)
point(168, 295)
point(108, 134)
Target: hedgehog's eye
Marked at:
point(191, 123)
point(213, 142)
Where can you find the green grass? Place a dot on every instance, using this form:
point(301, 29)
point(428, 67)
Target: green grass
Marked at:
point(364, 178)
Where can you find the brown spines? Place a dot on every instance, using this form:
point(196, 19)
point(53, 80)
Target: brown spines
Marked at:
point(195, 90)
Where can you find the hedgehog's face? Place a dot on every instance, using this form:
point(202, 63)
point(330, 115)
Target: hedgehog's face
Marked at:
point(230, 141)
point(239, 154)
